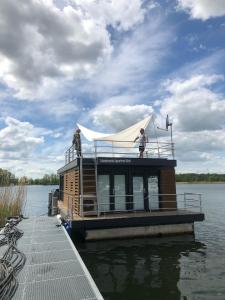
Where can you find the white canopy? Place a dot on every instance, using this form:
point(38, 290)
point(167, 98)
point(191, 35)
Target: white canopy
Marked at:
point(91, 135)
point(123, 138)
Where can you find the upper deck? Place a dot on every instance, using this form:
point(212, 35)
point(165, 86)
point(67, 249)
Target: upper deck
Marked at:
point(108, 151)
point(117, 153)
point(118, 162)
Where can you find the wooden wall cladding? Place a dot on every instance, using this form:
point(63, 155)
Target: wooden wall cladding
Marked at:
point(71, 190)
point(89, 185)
point(76, 198)
point(89, 191)
point(168, 186)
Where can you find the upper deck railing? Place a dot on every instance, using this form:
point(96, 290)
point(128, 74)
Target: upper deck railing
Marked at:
point(102, 148)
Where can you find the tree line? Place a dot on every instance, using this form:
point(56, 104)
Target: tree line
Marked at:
point(203, 177)
point(8, 178)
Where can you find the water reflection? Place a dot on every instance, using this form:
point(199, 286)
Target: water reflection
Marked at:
point(140, 268)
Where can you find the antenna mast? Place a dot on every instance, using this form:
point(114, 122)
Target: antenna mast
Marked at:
point(169, 124)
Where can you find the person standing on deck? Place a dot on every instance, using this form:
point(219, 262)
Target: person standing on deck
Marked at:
point(77, 142)
point(143, 139)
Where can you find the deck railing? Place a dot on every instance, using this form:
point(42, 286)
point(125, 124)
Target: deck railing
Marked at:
point(186, 202)
point(120, 149)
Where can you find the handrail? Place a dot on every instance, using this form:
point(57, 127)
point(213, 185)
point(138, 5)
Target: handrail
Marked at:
point(181, 200)
point(112, 149)
point(81, 185)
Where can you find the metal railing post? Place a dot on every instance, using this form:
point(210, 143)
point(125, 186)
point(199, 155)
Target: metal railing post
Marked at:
point(112, 149)
point(173, 154)
point(96, 185)
point(96, 177)
point(150, 202)
point(70, 209)
point(158, 149)
point(81, 187)
point(73, 152)
point(200, 202)
point(185, 200)
point(95, 147)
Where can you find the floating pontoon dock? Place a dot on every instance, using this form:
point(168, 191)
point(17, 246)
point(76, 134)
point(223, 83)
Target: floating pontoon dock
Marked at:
point(54, 269)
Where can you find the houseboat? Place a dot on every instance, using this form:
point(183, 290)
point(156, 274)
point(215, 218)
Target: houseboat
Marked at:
point(112, 192)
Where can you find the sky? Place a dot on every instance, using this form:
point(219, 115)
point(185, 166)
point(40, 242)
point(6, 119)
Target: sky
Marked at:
point(107, 64)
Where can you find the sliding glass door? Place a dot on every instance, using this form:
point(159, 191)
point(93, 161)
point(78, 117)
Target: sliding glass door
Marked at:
point(111, 193)
point(138, 193)
point(103, 187)
point(153, 193)
point(119, 192)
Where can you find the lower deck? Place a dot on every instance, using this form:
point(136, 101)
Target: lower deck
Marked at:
point(137, 214)
point(125, 225)
point(113, 197)
point(89, 187)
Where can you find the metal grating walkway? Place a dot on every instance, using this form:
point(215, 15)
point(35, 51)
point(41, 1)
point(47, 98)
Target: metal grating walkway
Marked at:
point(54, 269)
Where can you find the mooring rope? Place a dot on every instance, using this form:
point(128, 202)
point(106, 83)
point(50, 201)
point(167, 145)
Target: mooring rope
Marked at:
point(13, 259)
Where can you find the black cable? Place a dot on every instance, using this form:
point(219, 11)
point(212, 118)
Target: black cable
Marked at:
point(13, 259)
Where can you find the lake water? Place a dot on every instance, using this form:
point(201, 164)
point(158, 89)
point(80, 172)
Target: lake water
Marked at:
point(168, 268)
point(184, 267)
point(37, 199)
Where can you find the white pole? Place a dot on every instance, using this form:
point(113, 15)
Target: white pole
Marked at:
point(156, 138)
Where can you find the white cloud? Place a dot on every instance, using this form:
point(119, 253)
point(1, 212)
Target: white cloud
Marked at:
point(122, 14)
point(194, 83)
point(34, 168)
point(19, 139)
point(119, 117)
point(32, 151)
point(134, 61)
point(203, 9)
point(197, 110)
point(193, 105)
point(60, 108)
point(38, 41)
point(200, 142)
point(43, 45)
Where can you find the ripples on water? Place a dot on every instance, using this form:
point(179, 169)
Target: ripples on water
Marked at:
point(184, 267)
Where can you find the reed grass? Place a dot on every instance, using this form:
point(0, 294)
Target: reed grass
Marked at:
point(12, 201)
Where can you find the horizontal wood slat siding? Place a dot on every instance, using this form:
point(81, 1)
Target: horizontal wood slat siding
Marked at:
point(71, 190)
point(168, 186)
point(89, 190)
point(76, 200)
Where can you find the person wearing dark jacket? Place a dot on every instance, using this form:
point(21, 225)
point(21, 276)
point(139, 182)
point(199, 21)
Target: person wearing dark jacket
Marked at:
point(77, 142)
